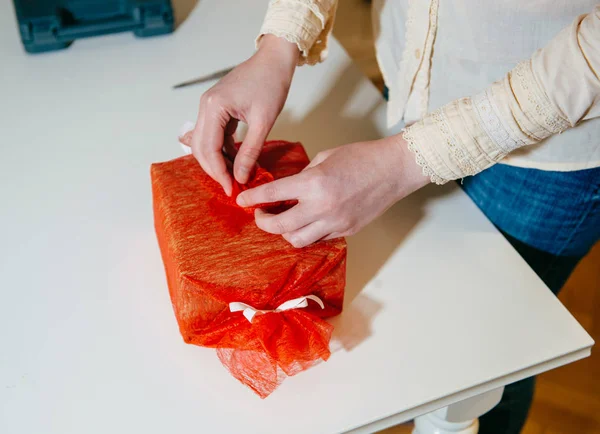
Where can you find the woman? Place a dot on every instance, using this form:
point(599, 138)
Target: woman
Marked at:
point(526, 143)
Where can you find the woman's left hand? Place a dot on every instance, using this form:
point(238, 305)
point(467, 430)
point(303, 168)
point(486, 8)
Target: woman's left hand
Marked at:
point(339, 192)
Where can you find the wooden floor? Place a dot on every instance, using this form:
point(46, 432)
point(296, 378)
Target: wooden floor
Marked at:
point(567, 400)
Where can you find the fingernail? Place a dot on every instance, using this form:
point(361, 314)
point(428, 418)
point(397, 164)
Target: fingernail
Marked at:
point(242, 171)
point(240, 200)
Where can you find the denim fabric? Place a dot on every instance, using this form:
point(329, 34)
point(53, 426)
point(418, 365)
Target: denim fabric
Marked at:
point(555, 212)
point(552, 219)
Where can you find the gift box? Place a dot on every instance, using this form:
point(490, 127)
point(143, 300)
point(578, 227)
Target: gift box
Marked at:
point(251, 295)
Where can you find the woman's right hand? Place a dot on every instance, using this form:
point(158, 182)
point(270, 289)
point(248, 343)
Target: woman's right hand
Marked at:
point(254, 93)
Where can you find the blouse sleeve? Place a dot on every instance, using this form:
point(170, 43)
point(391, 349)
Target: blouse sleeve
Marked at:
point(306, 23)
point(556, 89)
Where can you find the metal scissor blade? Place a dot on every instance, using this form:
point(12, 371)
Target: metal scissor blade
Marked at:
point(205, 78)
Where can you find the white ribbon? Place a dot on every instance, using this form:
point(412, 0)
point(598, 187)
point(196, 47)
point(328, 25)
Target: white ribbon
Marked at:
point(296, 303)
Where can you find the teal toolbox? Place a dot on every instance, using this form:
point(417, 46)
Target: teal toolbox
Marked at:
point(47, 25)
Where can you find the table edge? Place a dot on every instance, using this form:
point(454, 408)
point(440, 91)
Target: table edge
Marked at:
point(410, 414)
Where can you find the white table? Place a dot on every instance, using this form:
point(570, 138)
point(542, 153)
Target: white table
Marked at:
point(89, 342)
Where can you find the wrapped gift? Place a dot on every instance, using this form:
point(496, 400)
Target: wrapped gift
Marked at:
point(250, 294)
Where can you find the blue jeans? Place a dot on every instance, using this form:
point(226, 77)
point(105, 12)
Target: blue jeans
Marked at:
point(552, 219)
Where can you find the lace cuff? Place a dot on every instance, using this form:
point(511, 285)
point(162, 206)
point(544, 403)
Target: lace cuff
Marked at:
point(443, 145)
point(469, 135)
point(306, 23)
point(539, 118)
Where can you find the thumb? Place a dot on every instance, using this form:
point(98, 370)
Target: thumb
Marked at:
point(249, 152)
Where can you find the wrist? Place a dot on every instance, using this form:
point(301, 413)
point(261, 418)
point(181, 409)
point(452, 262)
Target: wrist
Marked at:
point(407, 174)
point(285, 51)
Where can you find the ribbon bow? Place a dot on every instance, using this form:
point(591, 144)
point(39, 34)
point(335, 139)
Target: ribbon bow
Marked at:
point(296, 303)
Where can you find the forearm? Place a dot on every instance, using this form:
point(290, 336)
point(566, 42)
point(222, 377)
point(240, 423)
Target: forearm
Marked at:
point(286, 53)
point(553, 91)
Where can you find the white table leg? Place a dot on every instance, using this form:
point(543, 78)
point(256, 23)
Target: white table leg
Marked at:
point(460, 417)
point(435, 423)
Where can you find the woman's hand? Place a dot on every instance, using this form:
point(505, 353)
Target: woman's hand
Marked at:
point(340, 192)
point(254, 93)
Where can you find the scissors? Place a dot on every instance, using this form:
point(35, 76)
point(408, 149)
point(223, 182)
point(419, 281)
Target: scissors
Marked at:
point(205, 78)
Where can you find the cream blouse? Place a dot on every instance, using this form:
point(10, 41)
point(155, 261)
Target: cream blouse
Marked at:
point(543, 111)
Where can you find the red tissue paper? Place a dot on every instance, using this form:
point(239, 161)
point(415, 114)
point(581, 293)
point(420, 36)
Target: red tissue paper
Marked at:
point(250, 294)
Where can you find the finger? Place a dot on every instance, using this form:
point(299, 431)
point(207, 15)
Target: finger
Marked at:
point(288, 221)
point(186, 132)
point(279, 190)
point(334, 235)
point(231, 127)
point(207, 143)
point(186, 143)
point(202, 161)
point(186, 139)
point(229, 146)
point(229, 149)
point(217, 163)
point(249, 152)
point(308, 234)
